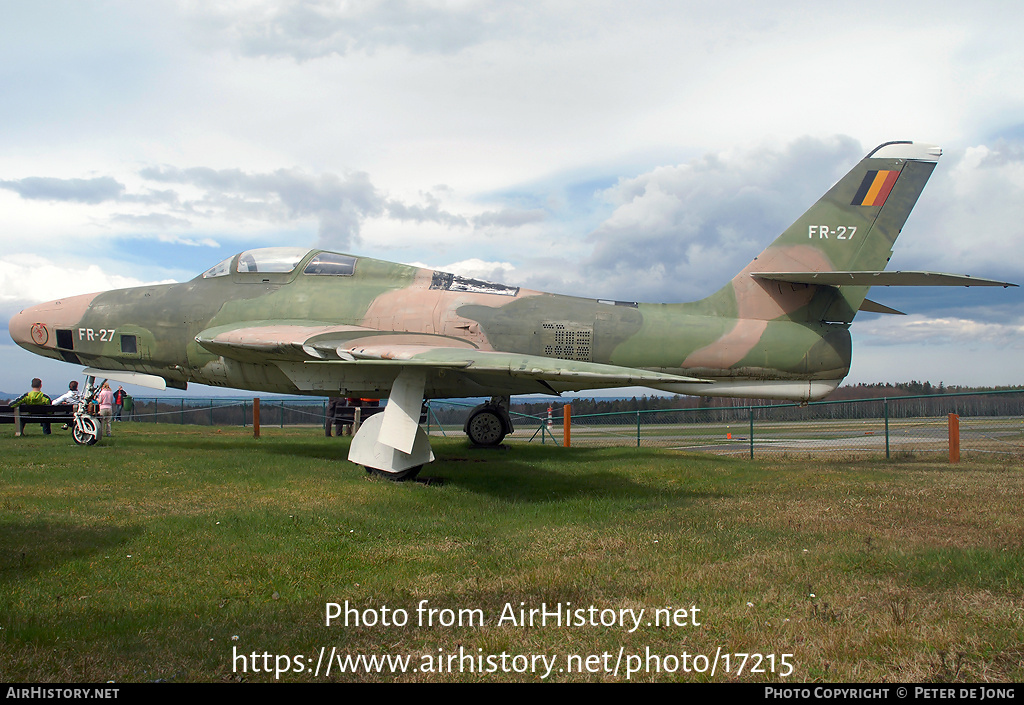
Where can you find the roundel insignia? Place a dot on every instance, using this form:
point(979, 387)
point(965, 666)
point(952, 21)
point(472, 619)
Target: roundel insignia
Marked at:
point(39, 334)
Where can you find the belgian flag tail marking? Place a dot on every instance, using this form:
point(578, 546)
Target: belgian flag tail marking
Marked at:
point(875, 188)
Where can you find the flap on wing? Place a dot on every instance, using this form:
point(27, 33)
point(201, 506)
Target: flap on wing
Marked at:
point(473, 361)
point(896, 278)
point(289, 340)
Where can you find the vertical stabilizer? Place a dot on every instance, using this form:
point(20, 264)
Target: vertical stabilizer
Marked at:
point(850, 228)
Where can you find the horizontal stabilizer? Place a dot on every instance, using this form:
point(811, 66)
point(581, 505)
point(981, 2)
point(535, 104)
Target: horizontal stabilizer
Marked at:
point(879, 279)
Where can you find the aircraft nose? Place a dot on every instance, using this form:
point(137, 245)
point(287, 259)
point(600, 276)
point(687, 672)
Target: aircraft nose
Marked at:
point(21, 324)
point(36, 326)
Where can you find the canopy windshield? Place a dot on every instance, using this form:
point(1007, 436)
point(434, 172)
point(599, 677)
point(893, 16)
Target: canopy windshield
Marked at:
point(270, 259)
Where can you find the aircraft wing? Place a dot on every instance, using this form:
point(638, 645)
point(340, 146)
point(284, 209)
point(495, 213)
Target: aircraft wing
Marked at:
point(473, 361)
point(880, 278)
point(352, 348)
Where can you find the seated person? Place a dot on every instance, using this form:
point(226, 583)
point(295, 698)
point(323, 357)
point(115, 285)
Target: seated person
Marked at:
point(34, 397)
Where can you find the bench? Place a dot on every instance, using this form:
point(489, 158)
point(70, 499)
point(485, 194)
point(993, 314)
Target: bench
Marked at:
point(36, 413)
point(345, 415)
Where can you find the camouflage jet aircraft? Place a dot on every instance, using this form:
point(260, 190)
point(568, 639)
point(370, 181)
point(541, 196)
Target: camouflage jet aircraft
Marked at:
point(300, 321)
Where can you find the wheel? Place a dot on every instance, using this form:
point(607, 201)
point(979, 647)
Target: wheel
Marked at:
point(400, 476)
point(85, 432)
point(485, 428)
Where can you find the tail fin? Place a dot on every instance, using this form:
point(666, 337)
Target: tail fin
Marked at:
point(850, 228)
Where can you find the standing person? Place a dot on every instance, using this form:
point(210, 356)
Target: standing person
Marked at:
point(119, 396)
point(106, 400)
point(35, 396)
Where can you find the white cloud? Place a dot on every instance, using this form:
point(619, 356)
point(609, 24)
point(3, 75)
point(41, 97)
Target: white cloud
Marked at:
point(188, 242)
point(919, 329)
point(33, 278)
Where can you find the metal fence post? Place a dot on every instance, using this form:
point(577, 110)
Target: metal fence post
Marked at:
point(954, 438)
point(751, 410)
point(886, 404)
point(566, 424)
point(637, 428)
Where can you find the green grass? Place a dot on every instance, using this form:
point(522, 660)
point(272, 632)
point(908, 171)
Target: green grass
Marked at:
point(154, 554)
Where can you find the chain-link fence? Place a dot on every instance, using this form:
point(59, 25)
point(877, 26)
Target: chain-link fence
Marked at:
point(989, 422)
point(227, 411)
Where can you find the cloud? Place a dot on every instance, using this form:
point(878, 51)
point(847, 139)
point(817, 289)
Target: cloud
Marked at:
point(92, 191)
point(509, 218)
point(920, 329)
point(315, 29)
point(678, 232)
point(339, 204)
point(150, 221)
point(33, 278)
point(970, 217)
point(431, 212)
point(188, 242)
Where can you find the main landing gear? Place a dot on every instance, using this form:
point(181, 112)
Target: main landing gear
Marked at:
point(392, 444)
point(489, 423)
point(395, 446)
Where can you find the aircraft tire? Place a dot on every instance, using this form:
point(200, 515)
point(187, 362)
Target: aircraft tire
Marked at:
point(400, 476)
point(485, 428)
point(85, 432)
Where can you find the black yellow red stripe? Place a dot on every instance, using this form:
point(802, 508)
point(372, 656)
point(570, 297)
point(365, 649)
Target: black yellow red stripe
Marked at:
point(875, 188)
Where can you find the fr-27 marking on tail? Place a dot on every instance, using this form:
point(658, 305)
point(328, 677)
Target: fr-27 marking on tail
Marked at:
point(841, 232)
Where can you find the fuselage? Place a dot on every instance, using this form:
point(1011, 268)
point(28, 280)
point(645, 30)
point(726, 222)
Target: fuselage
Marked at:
point(154, 330)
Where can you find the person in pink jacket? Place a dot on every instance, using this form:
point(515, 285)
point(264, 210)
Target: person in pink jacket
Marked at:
point(106, 400)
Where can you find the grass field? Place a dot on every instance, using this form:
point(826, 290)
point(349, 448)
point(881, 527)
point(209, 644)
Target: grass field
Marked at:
point(167, 551)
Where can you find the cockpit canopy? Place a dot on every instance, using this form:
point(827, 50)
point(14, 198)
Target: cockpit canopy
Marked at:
point(284, 260)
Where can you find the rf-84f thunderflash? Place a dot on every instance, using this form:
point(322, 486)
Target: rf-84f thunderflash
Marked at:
point(300, 321)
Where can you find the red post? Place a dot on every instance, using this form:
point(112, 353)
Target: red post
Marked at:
point(566, 423)
point(954, 438)
point(256, 417)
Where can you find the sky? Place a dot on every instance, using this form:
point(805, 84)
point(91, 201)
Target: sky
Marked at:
point(641, 151)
